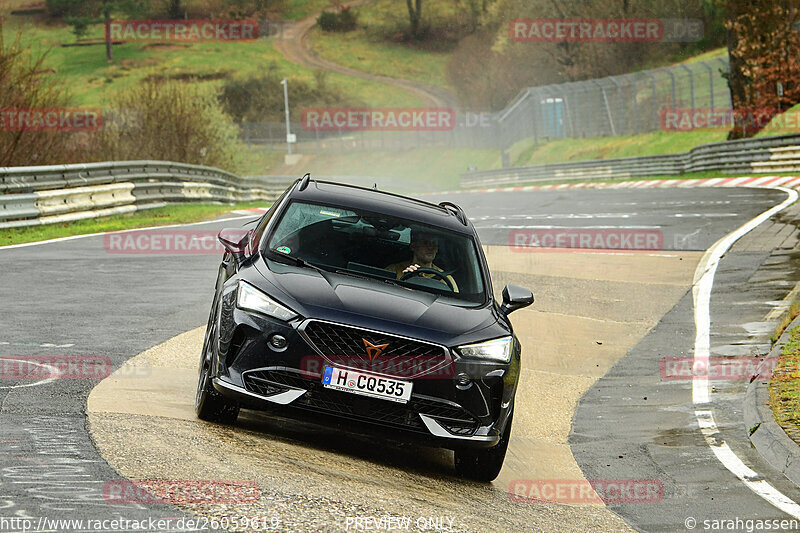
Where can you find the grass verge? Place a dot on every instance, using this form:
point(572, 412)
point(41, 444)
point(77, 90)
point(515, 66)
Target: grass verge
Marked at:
point(794, 310)
point(85, 74)
point(784, 388)
point(171, 214)
point(299, 9)
point(428, 168)
point(377, 47)
point(526, 152)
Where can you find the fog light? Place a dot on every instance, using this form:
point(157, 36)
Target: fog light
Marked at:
point(463, 379)
point(278, 342)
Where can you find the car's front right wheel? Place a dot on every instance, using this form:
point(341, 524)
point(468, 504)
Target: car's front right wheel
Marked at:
point(484, 464)
point(209, 404)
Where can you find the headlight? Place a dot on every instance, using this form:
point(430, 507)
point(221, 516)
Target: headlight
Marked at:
point(252, 299)
point(495, 350)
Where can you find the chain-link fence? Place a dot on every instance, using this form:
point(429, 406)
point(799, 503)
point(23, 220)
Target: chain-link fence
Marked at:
point(617, 105)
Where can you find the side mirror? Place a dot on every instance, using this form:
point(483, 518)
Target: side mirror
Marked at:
point(238, 242)
point(515, 297)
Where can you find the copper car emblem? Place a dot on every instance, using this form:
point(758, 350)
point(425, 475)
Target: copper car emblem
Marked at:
point(373, 350)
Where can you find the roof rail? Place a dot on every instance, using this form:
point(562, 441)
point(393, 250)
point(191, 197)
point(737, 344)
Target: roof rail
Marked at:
point(456, 210)
point(304, 182)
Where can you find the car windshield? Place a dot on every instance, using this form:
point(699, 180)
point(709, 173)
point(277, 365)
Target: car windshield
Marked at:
point(382, 247)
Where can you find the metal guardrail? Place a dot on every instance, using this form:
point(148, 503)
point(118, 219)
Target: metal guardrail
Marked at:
point(779, 153)
point(31, 196)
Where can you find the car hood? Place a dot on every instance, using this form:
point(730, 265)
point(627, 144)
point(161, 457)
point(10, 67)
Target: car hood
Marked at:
point(376, 305)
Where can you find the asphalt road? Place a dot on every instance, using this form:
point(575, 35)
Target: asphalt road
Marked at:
point(76, 298)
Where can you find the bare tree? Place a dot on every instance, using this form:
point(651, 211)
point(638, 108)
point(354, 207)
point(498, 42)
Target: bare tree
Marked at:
point(415, 16)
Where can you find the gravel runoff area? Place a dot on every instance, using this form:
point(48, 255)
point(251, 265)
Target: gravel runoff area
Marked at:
point(310, 480)
point(315, 478)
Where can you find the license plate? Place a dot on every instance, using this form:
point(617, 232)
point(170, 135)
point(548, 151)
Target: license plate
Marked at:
point(347, 380)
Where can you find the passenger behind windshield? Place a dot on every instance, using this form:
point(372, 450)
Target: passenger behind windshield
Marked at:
point(424, 246)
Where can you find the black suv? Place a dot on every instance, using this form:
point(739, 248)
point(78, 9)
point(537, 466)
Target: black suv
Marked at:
point(364, 307)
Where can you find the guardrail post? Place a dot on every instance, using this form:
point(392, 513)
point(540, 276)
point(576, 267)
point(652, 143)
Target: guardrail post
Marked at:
point(608, 109)
point(691, 83)
point(710, 84)
point(726, 65)
point(655, 98)
point(568, 110)
point(635, 103)
point(672, 79)
point(620, 113)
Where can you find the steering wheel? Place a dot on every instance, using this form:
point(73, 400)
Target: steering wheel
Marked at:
point(424, 270)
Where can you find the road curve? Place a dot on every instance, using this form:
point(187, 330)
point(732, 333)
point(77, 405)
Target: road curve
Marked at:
point(592, 309)
point(293, 43)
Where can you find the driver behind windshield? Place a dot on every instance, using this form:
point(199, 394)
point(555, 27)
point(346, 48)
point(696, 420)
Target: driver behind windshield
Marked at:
point(424, 246)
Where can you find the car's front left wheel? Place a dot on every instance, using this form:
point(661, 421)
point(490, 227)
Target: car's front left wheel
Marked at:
point(484, 464)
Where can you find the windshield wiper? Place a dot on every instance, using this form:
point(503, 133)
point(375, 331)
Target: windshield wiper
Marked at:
point(364, 275)
point(300, 262)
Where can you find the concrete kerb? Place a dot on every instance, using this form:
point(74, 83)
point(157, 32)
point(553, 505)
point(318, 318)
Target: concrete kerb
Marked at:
point(767, 436)
point(790, 181)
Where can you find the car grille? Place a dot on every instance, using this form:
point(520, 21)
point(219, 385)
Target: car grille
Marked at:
point(339, 343)
point(320, 399)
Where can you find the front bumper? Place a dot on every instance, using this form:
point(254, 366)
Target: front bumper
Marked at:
point(441, 412)
point(385, 417)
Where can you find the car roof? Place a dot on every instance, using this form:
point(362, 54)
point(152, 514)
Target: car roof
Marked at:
point(344, 195)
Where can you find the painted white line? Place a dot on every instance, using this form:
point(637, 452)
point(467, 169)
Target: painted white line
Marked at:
point(74, 237)
point(701, 292)
point(54, 374)
point(37, 345)
point(747, 475)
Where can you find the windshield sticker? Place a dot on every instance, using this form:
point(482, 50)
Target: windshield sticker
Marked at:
point(330, 213)
point(283, 249)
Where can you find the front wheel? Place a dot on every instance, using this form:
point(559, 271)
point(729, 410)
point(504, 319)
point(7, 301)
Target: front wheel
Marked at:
point(209, 404)
point(485, 464)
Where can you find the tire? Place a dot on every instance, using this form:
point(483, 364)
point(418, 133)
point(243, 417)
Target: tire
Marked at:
point(484, 464)
point(209, 404)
